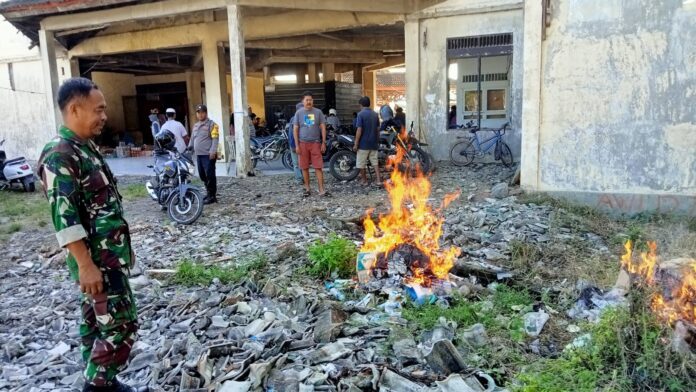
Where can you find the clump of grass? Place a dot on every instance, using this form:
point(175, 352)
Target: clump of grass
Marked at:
point(333, 256)
point(524, 255)
point(21, 211)
point(189, 273)
point(629, 350)
point(133, 192)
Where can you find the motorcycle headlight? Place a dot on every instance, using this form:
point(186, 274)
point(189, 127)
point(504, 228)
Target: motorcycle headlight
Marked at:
point(191, 169)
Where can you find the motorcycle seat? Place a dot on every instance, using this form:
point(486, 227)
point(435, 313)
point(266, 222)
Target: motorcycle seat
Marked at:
point(263, 139)
point(14, 161)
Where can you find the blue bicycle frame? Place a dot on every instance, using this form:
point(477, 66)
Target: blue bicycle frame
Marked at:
point(486, 145)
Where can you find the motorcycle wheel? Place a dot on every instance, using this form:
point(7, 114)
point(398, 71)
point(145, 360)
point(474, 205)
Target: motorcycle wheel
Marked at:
point(342, 166)
point(29, 184)
point(191, 209)
point(287, 159)
point(418, 160)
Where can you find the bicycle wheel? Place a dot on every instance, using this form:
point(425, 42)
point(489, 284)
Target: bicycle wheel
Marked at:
point(505, 154)
point(463, 153)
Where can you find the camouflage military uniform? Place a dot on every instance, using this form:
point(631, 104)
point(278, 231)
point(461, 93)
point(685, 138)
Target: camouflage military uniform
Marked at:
point(85, 205)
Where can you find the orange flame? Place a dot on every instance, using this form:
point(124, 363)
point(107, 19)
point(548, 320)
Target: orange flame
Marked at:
point(412, 221)
point(681, 304)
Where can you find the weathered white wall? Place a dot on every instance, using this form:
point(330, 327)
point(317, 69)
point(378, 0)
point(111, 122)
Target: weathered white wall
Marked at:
point(23, 113)
point(618, 113)
point(451, 19)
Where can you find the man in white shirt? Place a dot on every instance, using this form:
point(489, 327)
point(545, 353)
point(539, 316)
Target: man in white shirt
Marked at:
point(177, 129)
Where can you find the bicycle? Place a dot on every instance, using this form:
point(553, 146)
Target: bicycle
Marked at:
point(463, 152)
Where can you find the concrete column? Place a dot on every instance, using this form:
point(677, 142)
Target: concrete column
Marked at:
point(50, 70)
point(412, 60)
point(300, 72)
point(239, 92)
point(531, 95)
point(328, 70)
point(266, 76)
point(216, 90)
point(194, 95)
point(370, 86)
point(312, 73)
point(74, 67)
point(357, 73)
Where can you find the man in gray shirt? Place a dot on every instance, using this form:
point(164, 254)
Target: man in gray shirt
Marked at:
point(309, 132)
point(204, 143)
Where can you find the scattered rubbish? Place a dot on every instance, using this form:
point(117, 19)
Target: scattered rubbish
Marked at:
point(475, 336)
point(444, 358)
point(534, 322)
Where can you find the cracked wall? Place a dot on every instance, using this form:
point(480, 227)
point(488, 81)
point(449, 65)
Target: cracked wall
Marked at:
point(617, 100)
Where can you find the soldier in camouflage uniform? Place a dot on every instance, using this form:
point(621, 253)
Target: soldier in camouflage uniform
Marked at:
point(88, 217)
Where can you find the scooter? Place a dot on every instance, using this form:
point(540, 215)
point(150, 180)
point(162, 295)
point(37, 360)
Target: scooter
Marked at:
point(15, 172)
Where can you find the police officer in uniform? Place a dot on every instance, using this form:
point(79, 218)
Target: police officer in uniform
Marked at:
point(88, 218)
point(204, 143)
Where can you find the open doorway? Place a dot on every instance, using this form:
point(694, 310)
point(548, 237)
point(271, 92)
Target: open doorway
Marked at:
point(479, 80)
point(161, 96)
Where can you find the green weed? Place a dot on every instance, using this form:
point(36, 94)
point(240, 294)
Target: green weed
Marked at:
point(189, 273)
point(629, 350)
point(336, 255)
point(21, 211)
point(133, 192)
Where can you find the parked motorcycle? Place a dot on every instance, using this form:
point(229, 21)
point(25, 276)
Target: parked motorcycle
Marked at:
point(15, 173)
point(270, 148)
point(343, 163)
point(171, 185)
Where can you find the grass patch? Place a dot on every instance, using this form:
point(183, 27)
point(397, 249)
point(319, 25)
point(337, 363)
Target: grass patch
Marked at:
point(189, 273)
point(628, 351)
point(20, 211)
point(333, 256)
point(133, 192)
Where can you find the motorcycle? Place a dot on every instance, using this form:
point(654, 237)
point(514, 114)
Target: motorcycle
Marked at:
point(272, 147)
point(171, 186)
point(15, 172)
point(343, 163)
point(336, 142)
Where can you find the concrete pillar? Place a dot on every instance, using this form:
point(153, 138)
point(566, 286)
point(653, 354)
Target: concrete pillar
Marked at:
point(531, 95)
point(370, 86)
point(312, 73)
point(194, 95)
point(300, 73)
point(412, 59)
point(74, 67)
point(357, 73)
point(266, 76)
point(239, 92)
point(50, 70)
point(216, 90)
point(328, 70)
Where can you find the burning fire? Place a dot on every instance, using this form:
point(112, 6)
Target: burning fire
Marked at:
point(411, 221)
point(681, 305)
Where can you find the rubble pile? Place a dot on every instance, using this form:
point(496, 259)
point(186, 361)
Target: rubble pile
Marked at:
point(272, 331)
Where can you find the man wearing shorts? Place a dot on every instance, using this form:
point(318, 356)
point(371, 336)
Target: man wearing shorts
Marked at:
point(309, 131)
point(367, 141)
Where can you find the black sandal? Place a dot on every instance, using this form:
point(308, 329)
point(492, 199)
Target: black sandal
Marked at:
point(306, 193)
point(325, 194)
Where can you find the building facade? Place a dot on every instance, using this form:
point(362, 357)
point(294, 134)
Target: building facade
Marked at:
point(599, 93)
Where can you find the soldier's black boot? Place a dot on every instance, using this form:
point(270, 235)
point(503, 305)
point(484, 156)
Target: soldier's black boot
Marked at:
point(116, 387)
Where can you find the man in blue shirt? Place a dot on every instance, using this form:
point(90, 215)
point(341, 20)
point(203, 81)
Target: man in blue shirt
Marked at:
point(367, 141)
